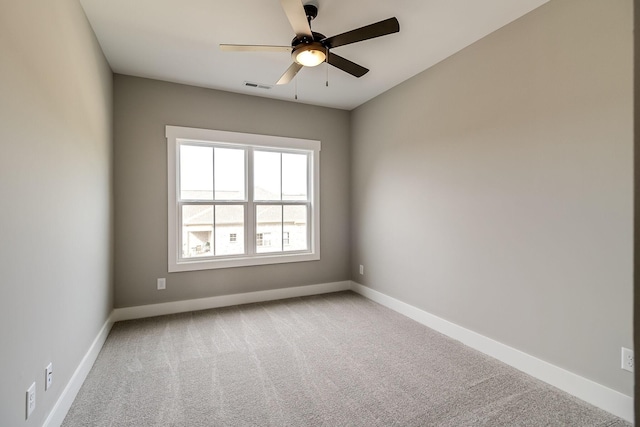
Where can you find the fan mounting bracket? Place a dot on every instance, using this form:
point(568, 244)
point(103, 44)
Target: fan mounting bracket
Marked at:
point(311, 10)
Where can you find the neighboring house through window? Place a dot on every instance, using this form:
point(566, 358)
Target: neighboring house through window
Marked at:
point(241, 199)
point(263, 239)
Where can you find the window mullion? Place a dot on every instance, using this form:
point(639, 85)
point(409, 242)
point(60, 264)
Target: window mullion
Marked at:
point(281, 208)
point(213, 228)
point(213, 175)
point(250, 235)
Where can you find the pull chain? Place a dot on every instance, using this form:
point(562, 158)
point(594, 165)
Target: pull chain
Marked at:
point(327, 61)
point(296, 86)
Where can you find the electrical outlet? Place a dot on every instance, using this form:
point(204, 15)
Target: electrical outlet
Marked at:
point(627, 359)
point(31, 399)
point(48, 376)
point(162, 284)
point(362, 269)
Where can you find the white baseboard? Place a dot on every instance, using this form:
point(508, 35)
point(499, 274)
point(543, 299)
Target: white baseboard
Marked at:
point(62, 406)
point(151, 310)
point(596, 394)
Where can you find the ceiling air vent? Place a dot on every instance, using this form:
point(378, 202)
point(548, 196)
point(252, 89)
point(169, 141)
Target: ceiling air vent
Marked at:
point(257, 85)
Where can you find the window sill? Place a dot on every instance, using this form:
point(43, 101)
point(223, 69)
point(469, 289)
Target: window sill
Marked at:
point(265, 259)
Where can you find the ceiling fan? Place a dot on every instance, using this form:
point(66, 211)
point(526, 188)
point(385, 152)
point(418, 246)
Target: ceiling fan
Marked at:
point(309, 48)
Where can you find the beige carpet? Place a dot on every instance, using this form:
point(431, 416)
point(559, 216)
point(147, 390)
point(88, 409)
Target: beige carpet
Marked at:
point(330, 360)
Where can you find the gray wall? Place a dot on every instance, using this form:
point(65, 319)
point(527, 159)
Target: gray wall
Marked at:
point(55, 184)
point(495, 190)
point(142, 109)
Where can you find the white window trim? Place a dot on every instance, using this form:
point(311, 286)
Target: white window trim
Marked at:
point(176, 133)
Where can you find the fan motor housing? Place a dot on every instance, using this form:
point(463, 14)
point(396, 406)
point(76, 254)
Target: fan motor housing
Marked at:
point(306, 40)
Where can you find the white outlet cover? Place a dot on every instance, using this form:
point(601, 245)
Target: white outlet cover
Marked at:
point(31, 399)
point(627, 362)
point(162, 284)
point(48, 376)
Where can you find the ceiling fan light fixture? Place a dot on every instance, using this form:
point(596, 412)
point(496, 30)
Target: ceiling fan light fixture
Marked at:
point(309, 55)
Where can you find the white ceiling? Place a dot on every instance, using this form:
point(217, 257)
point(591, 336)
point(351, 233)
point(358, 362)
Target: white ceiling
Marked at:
point(177, 41)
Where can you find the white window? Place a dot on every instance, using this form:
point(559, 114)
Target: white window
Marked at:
point(263, 239)
point(241, 199)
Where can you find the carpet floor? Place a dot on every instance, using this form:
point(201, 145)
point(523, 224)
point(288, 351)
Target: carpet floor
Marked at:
point(328, 360)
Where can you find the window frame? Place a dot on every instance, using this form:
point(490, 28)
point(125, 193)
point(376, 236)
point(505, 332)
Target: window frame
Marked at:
point(176, 135)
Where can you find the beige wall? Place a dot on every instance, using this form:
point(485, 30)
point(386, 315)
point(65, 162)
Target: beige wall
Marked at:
point(55, 221)
point(142, 109)
point(495, 189)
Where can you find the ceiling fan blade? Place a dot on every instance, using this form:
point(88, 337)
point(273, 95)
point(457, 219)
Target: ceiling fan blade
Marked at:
point(290, 73)
point(253, 48)
point(346, 65)
point(297, 17)
point(382, 28)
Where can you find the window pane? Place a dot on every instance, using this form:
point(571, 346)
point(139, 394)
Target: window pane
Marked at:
point(295, 228)
point(197, 231)
point(294, 176)
point(268, 229)
point(229, 230)
point(229, 174)
point(266, 175)
point(196, 172)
